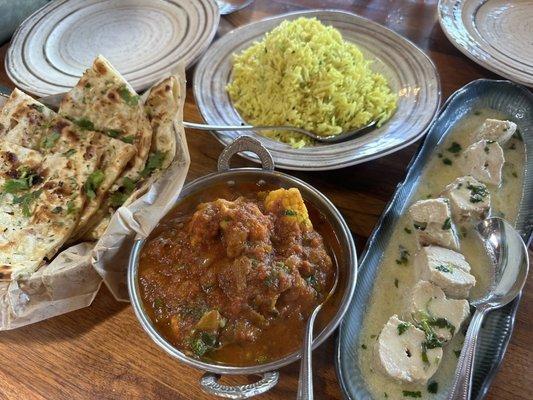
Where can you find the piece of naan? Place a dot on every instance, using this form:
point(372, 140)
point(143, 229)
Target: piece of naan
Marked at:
point(41, 199)
point(102, 100)
point(33, 125)
point(161, 107)
point(22, 120)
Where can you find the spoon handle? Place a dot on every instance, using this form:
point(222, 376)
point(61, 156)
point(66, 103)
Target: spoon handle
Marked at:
point(305, 383)
point(462, 383)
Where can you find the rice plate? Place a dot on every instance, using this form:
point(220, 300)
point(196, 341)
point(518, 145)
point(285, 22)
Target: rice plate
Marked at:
point(304, 74)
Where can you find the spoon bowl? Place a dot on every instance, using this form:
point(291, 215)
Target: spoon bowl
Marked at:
point(510, 263)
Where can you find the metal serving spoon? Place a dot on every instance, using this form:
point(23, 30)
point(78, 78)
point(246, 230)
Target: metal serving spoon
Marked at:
point(305, 381)
point(54, 100)
point(323, 139)
point(511, 264)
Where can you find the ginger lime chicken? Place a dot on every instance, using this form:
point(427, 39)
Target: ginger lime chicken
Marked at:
point(235, 280)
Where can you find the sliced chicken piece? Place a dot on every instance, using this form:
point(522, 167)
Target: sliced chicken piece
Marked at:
point(433, 223)
point(468, 197)
point(402, 354)
point(445, 268)
point(445, 316)
point(484, 161)
point(496, 130)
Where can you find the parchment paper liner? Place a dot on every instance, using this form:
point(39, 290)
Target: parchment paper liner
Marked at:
point(72, 279)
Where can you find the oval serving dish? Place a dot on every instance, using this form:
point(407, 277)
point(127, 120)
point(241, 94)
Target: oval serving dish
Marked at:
point(345, 257)
point(516, 103)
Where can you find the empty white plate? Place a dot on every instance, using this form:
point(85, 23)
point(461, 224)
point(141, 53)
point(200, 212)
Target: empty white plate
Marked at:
point(143, 39)
point(496, 34)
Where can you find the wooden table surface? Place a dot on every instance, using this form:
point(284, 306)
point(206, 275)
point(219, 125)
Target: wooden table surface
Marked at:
point(101, 352)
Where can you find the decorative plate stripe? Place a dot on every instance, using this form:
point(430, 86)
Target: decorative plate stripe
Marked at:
point(143, 39)
point(409, 71)
point(495, 34)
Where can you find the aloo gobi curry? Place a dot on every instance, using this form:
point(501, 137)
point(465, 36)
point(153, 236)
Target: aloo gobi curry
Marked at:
point(233, 281)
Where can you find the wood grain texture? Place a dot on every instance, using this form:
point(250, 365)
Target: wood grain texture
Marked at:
point(101, 352)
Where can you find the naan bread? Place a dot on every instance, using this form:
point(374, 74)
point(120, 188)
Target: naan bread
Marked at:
point(104, 101)
point(40, 203)
point(161, 107)
point(22, 119)
point(35, 126)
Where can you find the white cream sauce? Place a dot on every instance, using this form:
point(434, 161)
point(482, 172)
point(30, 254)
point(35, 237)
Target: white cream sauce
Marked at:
point(393, 283)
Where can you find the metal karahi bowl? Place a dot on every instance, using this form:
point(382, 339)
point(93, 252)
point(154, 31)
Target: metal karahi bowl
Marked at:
point(345, 257)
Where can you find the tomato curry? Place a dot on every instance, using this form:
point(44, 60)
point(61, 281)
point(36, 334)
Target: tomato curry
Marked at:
point(233, 280)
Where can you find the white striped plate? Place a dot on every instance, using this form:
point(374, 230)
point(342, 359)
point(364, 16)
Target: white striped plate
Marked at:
point(409, 72)
point(496, 34)
point(143, 39)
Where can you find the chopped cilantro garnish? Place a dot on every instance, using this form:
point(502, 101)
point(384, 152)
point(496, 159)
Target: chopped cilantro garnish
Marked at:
point(447, 224)
point(128, 139)
point(311, 280)
point(404, 256)
point(402, 327)
point(57, 210)
point(50, 140)
point(114, 133)
point(129, 98)
point(363, 346)
point(396, 282)
point(421, 226)
point(93, 182)
point(26, 200)
point(25, 181)
point(447, 161)
point(38, 107)
point(70, 207)
point(477, 193)
point(433, 387)
point(290, 213)
point(443, 268)
point(85, 124)
point(155, 161)
point(408, 393)
point(69, 152)
point(457, 353)
point(454, 148)
point(407, 230)
point(119, 197)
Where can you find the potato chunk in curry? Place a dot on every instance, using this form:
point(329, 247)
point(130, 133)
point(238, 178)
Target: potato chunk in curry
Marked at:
point(233, 274)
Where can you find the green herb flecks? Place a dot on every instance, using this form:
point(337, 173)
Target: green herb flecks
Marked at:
point(26, 200)
point(407, 230)
point(404, 256)
point(113, 133)
point(69, 153)
point(290, 213)
point(25, 181)
point(311, 280)
point(38, 107)
point(50, 140)
point(457, 353)
point(477, 193)
point(402, 327)
point(444, 268)
point(154, 162)
point(120, 196)
point(363, 346)
point(421, 226)
point(84, 124)
point(396, 282)
point(71, 208)
point(455, 148)
point(93, 183)
point(433, 387)
point(128, 97)
point(128, 139)
point(409, 393)
point(447, 224)
point(447, 161)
